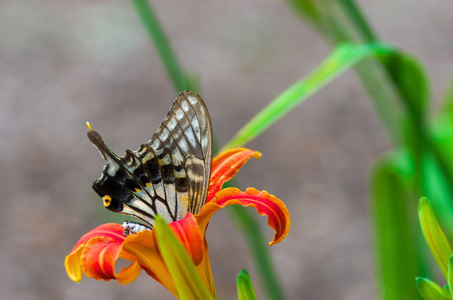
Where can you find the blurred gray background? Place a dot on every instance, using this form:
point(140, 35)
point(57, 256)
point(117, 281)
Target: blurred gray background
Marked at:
point(65, 62)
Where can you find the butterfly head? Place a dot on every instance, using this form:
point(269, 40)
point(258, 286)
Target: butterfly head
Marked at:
point(109, 186)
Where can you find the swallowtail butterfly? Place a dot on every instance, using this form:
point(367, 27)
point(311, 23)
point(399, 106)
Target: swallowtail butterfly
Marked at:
point(169, 175)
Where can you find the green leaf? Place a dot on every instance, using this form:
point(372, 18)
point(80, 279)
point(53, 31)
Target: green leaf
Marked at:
point(342, 58)
point(447, 292)
point(450, 275)
point(429, 289)
point(434, 236)
point(398, 90)
point(437, 187)
point(360, 23)
point(447, 106)
point(245, 286)
point(392, 208)
point(409, 78)
point(181, 81)
point(307, 8)
point(188, 281)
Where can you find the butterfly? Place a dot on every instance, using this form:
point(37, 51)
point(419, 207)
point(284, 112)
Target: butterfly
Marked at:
point(169, 175)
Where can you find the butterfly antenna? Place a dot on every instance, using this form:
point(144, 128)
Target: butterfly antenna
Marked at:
point(97, 140)
point(89, 126)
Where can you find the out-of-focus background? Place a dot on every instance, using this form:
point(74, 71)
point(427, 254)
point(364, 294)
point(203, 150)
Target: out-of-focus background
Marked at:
point(63, 63)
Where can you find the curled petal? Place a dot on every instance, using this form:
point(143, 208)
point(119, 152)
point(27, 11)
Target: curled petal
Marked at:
point(73, 262)
point(99, 258)
point(226, 165)
point(110, 231)
point(265, 203)
point(97, 252)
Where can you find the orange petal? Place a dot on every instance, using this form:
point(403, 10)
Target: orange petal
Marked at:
point(265, 203)
point(73, 262)
point(143, 246)
point(99, 257)
point(111, 231)
point(193, 239)
point(226, 165)
point(97, 252)
point(190, 236)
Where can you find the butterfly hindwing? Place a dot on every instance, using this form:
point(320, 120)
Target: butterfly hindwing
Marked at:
point(169, 175)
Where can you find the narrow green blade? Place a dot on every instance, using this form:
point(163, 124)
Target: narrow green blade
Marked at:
point(245, 286)
point(181, 81)
point(188, 281)
point(429, 289)
point(393, 211)
point(434, 236)
point(342, 58)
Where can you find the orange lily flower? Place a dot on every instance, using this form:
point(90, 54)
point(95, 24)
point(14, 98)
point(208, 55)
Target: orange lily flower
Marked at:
point(96, 253)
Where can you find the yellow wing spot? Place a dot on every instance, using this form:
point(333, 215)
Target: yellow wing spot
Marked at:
point(185, 202)
point(107, 200)
point(89, 126)
point(148, 184)
point(138, 190)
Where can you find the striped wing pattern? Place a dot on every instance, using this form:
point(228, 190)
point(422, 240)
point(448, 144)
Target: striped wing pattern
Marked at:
point(169, 175)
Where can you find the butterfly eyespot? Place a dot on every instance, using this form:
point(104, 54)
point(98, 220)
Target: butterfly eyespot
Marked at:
point(107, 200)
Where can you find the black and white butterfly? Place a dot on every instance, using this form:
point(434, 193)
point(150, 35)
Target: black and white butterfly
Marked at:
point(169, 175)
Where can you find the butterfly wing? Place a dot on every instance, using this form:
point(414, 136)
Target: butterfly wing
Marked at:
point(169, 175)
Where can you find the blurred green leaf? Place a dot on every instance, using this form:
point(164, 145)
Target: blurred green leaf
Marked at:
point(188, 281)
point(434, 236)
point(447, 292)
point(450, 276)
point(245, 286)
point(447, 105)
point(437, 187)
point(358, 21)
point(324, 15)
point(181, 81)
point(397, 259)
point(398, 87)
point(410, 80)
point(308, 8)
point(342, 58)
point(429, 289)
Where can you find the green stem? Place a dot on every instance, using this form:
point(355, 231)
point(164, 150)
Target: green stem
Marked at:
point(356, 17)
point(163, 48)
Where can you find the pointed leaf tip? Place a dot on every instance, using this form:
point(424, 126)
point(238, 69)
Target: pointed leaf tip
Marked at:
point(434, 235)
point(429, 289)
point(188, 280)
point(245, 286)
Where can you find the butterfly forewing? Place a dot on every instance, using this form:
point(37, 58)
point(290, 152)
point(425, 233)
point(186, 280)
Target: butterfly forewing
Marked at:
point(169, 175)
